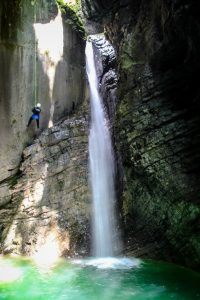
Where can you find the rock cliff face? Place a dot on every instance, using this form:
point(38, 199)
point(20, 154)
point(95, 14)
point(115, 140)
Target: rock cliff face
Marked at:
point(157, 123)
point(44, 203)
point(41, 60)
point(47, 210)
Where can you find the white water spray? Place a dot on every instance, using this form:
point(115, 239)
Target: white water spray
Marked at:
point(101, 169)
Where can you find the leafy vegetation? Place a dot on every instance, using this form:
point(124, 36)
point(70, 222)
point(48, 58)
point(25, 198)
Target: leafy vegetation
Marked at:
point(71, 11)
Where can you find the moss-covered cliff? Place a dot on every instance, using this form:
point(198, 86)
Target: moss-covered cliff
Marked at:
point(157, 123)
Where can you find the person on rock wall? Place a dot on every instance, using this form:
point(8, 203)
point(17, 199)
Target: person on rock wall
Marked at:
point(36, 115)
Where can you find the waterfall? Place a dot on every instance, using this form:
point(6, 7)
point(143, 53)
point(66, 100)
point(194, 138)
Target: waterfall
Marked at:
point(101, 168)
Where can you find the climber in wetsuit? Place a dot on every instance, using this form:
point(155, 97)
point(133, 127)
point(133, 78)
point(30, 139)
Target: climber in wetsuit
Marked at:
point(36, 115)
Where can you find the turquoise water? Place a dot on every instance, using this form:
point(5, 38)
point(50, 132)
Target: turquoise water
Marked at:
point(95, 279)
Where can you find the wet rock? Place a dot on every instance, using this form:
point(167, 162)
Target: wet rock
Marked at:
point(105, 60)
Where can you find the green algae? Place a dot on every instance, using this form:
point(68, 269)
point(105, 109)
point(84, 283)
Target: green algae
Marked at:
point(71, 14)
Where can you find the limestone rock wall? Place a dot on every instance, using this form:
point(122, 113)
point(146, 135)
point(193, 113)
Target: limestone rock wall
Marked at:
point(41, 60)
point(48, 204)
point(157, 123)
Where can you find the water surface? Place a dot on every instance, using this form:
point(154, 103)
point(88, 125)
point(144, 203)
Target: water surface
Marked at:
point(96, 279)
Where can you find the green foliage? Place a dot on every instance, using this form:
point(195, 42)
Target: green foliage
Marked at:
point(71, 13)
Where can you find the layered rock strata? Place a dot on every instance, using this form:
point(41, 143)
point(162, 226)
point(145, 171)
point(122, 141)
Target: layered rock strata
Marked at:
point(47, 208)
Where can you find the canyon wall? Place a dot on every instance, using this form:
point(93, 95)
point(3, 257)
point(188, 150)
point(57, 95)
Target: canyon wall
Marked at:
point(41, 60)
point(156, 123)
point(44, 195)
point(46, 213)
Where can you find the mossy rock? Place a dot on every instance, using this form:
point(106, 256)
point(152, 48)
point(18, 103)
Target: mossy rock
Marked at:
point(71, 14)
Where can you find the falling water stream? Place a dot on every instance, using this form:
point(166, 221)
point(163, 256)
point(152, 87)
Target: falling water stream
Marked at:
point(101, 168)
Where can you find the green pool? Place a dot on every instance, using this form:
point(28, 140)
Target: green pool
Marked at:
point(93, 279)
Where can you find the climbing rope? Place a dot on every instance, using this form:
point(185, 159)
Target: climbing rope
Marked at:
point(33, 3)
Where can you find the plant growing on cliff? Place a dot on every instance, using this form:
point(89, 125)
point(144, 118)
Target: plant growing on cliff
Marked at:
point(71, 12)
